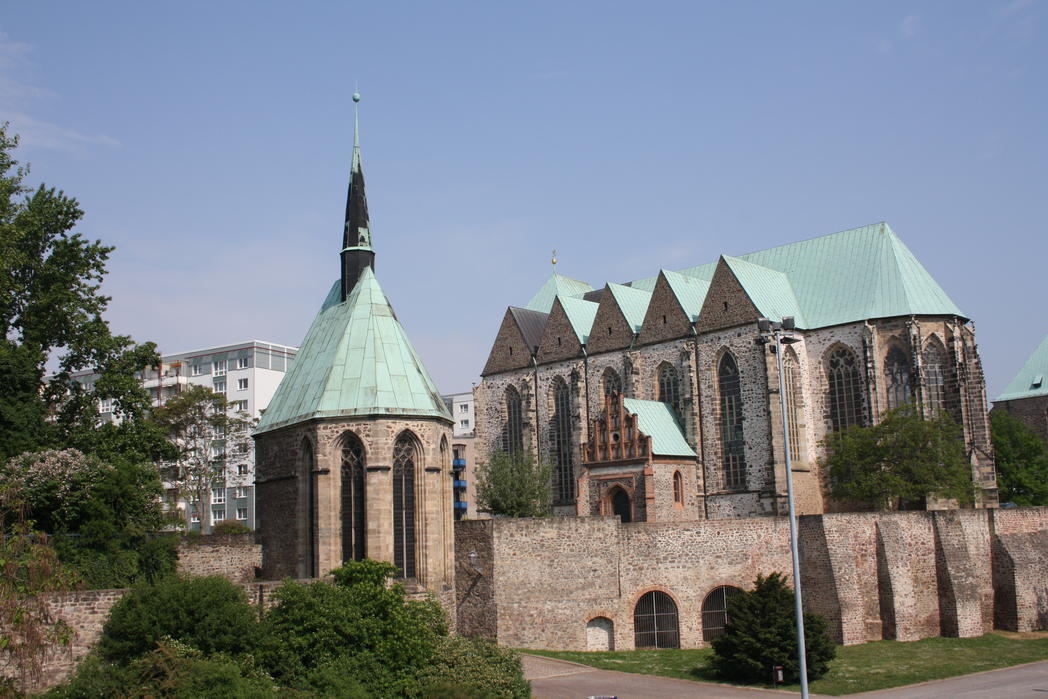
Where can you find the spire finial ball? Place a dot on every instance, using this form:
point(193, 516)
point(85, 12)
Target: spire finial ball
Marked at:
point(356, 96)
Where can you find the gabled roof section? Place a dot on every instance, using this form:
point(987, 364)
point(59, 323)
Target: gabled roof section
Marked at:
point(690, 291)
point(1030, 381)
point(581, 314)
point(632, 302)
point(531, 324)
point(356, 360)
point(658, 421)
point(556, 285)
point(768, 289)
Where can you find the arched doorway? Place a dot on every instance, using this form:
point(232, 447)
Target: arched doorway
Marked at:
point(600, 634)
point(655, 621)
point(621, 506)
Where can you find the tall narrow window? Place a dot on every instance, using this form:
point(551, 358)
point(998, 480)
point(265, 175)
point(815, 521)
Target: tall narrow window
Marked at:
point(732, 444)
point(309, 496)
point(844, 389)
point(655, 621)
point(354, 522)
point(513, 431)
point(669, 388)
point(897, 373)
point(934, 379)
point(560, 445)
point(791, 376)
point(404, 454)
point(612, 382)
point(678, 488)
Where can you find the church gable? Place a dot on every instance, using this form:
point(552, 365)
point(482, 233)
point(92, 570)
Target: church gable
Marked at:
point(665, 319)
point(727, 304)
point(559, 340)
point(511, 349)
point(611, 330)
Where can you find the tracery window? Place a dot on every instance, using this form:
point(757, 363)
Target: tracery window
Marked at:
point(715, 611)
point(513, 431)
point(934, 379)
point(560, 445)
point(655, 621)
point(732, 444)
point(792, 380)
point(844, 389)
point(354, 523)
point(669, 388)
point(897, 373)
point(612, 382)
point(404, 455)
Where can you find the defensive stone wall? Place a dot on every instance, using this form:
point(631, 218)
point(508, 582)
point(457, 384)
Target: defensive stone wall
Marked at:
point(552, 583)
point(233, 556)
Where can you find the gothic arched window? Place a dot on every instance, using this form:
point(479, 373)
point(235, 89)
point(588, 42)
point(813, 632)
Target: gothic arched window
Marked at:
point(612, 382)
point(897, 373)
point(354, 523)
point(513, 432)
point(678, 488)
point(560, 444)
point(792, 380)
point(669, 388)
point(732, 444)
point(309, 495)
point(404, 456)
point(844, 389)
point(934, 378)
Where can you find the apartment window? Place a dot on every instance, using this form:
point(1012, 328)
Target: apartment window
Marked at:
point(464, 423)
point(241, 513)
point(241, 492)
point(106, 405)
point(196, 369)
point(218, 368)
point(218, 496)
point(242, 363)
point(217, 515)
point(220, 430)
point(241, 384)
point(220, 387)
point(463, 407)
point(241, 469)
point(239, 405)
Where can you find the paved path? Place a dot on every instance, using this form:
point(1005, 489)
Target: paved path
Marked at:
point(559, 679)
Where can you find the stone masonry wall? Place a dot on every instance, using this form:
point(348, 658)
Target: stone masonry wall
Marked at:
point(233, 556)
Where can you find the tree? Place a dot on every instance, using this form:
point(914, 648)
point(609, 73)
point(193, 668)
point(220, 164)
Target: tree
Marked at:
point(1022, 461)
point(761, 634)
point(899, 462)
point(212, 443)
point(51, 307)
point(514, 485)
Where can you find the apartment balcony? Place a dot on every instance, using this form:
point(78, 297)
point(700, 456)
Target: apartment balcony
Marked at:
point(458, 464)
point(459, 485)
point(460, 505)
point(165, 381)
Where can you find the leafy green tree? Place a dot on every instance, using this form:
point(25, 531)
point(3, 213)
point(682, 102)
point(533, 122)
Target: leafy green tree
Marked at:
point(514, 485)
point(212, 443)
point(209, 614)
point(1022, 461)
point(467, 667)
point(51, 307)
point(761, 634)
point(899, 462)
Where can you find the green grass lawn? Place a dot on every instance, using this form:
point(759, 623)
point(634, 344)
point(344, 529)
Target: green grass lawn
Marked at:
point(876, 665)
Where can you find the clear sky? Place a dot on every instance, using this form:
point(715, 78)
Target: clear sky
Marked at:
point(210, 142)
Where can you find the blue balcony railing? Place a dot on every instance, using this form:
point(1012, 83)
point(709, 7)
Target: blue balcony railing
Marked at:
point(459, 505)
point(460, 484)
point(458, 464)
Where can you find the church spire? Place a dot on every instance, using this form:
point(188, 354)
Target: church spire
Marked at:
point(356, 238)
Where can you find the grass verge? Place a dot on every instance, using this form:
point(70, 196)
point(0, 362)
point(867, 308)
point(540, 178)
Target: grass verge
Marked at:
point(861, 668)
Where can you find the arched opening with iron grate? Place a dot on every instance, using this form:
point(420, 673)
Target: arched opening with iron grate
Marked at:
point(655, 622)
point(715, 611)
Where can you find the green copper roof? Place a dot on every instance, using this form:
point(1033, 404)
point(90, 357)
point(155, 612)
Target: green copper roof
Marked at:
point(632, 302)
point(658, 422)
point(581, 314)
point(769, 289)
point(556, 285)
point(690, 292)
point(356, 360)
point(1030, 381)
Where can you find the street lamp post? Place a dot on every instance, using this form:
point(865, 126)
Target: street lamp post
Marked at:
point(780, 334)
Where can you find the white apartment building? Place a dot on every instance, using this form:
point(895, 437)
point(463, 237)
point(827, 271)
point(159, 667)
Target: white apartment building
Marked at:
point(461, 407)
point(248, 374)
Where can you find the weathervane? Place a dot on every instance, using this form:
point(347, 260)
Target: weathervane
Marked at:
point(554, 260)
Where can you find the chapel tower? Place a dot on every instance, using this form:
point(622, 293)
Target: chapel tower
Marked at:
point(352, 456)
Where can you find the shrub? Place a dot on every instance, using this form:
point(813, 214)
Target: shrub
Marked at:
point(209, 614)
point(230, 526)
point(465, 667)
point(761, 634)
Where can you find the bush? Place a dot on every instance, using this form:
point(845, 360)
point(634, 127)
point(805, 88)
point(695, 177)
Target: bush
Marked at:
point(209, 614)
point(230, 526)
point(761, 634)
point(514, 485)
point(465, 667)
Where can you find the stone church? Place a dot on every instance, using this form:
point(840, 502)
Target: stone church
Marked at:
point(352, 455)
point(658, 399)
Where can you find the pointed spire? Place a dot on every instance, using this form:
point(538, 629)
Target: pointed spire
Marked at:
point(357, 252)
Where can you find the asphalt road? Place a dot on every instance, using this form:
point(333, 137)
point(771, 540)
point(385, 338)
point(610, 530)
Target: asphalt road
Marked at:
point(557, 679)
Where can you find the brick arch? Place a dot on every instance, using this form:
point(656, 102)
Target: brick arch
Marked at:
point(654, 632)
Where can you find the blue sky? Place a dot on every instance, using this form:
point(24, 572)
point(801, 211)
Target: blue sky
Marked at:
point(210, 142)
